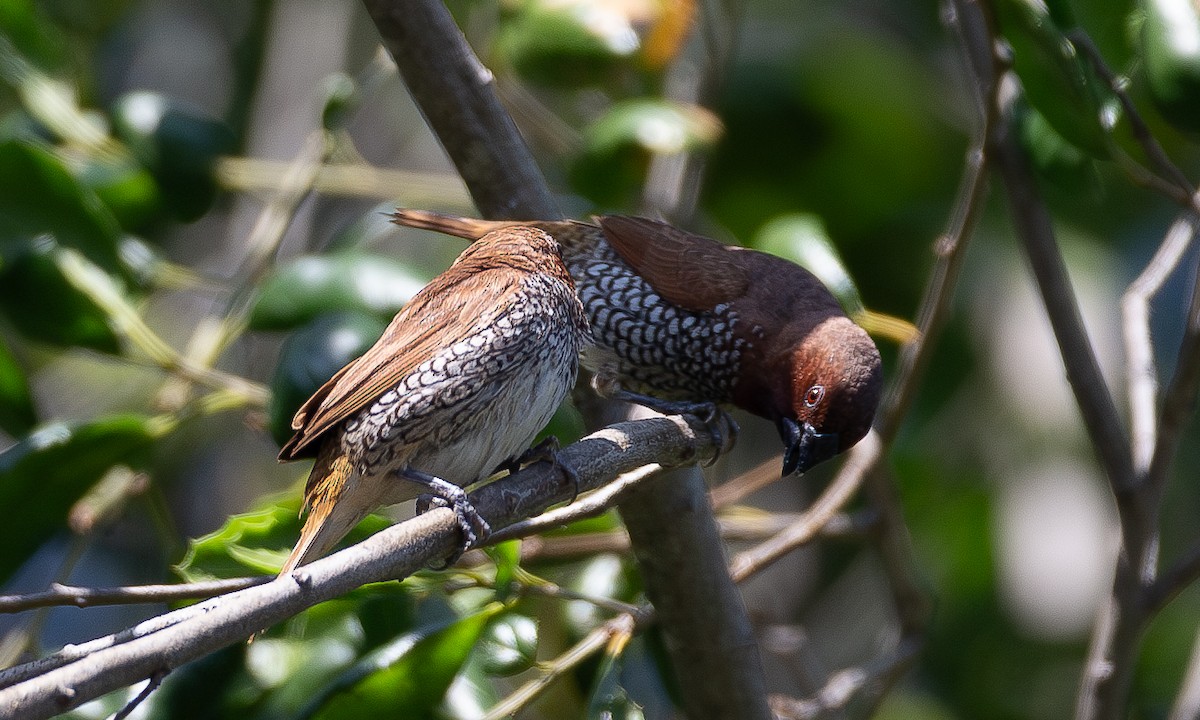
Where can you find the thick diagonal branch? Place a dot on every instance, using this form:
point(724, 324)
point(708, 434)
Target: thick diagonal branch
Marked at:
point(455, 92)
point(80, 673)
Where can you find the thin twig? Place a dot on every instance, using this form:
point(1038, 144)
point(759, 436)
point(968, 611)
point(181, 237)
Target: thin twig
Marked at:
point(1180, 188)
point(843, 687)
point(592, 643)
point(151, 685)
point(589, 506)
point(350, 180)
point(1178, 403)
point(1141, 374)
point(59, 594)
point(861, 458)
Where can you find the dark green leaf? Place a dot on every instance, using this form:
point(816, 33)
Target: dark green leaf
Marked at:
point(310, 357)
point(256, 542)
point(803, 240)
point(179, 144)
point(341, 99)
point(317, 284)
point(657, 126)
point(48, 471)
point(1171, 49)
point(509, 645)
point(507, 557)
point(412, 673)
point(125, 187)
point(39, 196)
point(44, 305)
point(17, 415)
point(37, 40)
point(558, 45)
point(1056, 80)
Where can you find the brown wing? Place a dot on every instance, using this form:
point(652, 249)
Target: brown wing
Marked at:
point(693, 272)
point(444, 312)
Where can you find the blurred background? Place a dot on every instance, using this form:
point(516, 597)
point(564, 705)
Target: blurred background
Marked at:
point(141, 141)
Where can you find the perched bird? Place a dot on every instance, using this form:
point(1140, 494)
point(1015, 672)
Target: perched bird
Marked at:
point(688, 320)
point(458, 385)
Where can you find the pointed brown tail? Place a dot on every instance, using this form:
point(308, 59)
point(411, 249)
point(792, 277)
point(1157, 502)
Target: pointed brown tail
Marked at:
point(333, 509)
point(469, 228)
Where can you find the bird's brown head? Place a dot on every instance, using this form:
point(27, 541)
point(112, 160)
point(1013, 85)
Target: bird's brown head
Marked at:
point(835, 383)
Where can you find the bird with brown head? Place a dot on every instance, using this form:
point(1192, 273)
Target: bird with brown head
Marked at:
point(464, 377)
point(680, 320)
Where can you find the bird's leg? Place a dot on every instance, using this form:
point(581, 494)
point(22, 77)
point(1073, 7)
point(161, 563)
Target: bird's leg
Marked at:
point(446, 494)
point(546, 450)
point(708, 412)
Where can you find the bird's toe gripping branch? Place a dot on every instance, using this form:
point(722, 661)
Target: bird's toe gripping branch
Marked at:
point(443, 493)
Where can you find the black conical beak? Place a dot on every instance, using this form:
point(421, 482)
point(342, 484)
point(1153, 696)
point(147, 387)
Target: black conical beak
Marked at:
point(804, 447)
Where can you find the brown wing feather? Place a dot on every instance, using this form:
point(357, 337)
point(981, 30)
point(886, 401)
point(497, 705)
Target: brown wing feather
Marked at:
point(417, 332)
point(693, 272)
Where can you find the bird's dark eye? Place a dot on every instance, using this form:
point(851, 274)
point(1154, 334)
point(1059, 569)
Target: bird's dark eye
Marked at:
point(814, 395)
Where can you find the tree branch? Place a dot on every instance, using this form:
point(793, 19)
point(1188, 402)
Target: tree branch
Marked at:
point(59, 594)
point(456, 93)
point(80, 673)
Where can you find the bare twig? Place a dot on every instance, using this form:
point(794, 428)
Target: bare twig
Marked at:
point(59, 594)
point(352, 180)
point(592, 643)
point(1142, 376)
point(1176, 184)
point(861, 458)
point(595, 503)
point(865, 682)
point(151, 685)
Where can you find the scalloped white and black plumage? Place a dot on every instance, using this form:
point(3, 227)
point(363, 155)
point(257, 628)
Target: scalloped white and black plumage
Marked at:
point(678, 316)
point(464, 377)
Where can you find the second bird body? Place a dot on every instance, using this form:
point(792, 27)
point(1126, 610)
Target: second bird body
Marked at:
point(682, 317)
point(460, 383)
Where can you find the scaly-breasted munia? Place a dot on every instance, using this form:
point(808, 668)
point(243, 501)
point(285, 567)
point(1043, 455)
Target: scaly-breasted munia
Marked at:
point(686, 318)
point(459, 384)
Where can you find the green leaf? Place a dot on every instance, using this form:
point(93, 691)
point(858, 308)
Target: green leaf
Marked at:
point(44, 305)
point(316, 284)
point(507, 557)
point(803, 240)
point(310, 356)
point(1170, 40)
point(33, 37)
point(45, 473)
point(17, 415)
point(256, 542)
point(39, 197)
point(126, 188)
point(657, 126)
point(509, 645)
point(1056, 80)
point(618, 146)
point(178, 143)
point(412, 673)
point(565, 45)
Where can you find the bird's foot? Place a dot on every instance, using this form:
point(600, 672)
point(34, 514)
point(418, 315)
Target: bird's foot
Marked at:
point(719, 423)
point(443, 493)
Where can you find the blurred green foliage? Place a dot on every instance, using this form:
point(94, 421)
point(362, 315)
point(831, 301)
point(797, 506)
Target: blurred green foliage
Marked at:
point(836, 138)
